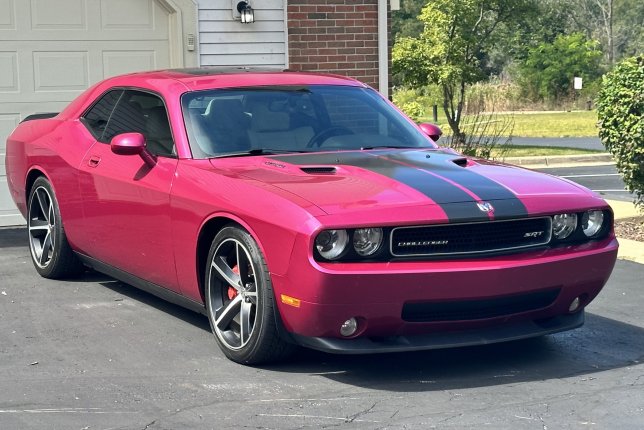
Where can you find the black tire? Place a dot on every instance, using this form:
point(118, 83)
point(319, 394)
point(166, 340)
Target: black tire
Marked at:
point(51, 254)
point(240, 301)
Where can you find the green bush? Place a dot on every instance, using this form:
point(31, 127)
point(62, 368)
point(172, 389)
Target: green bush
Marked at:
point(413, 110)
point(548, 71)
point(620, 108)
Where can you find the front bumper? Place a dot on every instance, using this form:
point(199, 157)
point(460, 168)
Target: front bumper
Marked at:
point(376, 293)
point(441, 340)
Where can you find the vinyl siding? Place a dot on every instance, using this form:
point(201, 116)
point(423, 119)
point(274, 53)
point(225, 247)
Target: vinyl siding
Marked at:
point(226, 42)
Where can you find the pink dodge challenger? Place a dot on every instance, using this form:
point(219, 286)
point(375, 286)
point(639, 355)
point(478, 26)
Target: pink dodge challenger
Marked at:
point(303, 209)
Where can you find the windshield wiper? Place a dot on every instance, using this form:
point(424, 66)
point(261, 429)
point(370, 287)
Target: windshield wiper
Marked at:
point(366, 148)
point(258, 151)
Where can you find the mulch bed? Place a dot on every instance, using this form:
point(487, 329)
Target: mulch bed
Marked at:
point(630, 228)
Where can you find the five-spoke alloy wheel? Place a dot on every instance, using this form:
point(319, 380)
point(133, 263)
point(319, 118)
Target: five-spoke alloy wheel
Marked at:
point(239, 299)
point(50, 252)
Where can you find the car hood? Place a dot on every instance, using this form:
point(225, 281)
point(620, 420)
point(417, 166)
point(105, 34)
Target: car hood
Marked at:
point(405, 180)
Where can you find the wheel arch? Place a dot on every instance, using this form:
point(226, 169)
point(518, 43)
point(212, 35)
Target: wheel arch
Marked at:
point(32, 175)
point(207, 233)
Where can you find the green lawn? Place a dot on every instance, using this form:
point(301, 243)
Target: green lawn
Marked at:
point(556, 124)
point(543, 124)
point(531, 151)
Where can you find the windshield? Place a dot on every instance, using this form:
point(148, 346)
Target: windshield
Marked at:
point(261, 120)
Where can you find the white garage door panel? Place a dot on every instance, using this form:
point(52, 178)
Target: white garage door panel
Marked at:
point(52, 50)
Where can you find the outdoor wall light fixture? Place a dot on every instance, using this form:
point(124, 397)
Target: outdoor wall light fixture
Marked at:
point(245, 13)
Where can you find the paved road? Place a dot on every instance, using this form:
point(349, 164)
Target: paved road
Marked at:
point(602, 179)
point(567, 142)
point(94, 353)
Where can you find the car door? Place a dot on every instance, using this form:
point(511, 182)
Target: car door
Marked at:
point(126, 201)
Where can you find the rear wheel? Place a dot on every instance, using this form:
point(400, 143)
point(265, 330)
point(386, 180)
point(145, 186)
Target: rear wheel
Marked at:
point(50, 251)
point(239, 300)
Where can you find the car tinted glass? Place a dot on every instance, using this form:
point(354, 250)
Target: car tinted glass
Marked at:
point(97, 117)
point(282, 119)
point(144, 113)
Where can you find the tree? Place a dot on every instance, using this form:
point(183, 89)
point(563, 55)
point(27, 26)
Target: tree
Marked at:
point(404, 22)
point(549, 69)
point(620, 109)
point(456, 37)
point(617, 24)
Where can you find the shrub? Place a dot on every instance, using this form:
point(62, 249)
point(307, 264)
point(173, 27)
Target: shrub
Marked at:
point(413, 110)
point(620, 108)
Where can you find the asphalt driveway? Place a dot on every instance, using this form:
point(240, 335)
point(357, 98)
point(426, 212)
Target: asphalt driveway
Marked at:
point(94, 353)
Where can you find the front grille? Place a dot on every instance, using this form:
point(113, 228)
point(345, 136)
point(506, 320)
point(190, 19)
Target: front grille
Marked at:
point(468, 310)
point(470, 238)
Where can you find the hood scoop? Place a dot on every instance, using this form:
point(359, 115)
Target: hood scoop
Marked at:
point(320, 170)
point(462, 162)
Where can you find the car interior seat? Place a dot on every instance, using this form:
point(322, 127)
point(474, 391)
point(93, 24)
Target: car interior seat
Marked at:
point(223, 127)
point(273, 129)
point(158, 135)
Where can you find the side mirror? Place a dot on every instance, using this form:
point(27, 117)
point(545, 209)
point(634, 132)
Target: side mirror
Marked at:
point(431, 130)
point(132, 144)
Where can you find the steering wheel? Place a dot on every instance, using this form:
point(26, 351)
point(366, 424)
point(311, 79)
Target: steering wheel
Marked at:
point(320, 137)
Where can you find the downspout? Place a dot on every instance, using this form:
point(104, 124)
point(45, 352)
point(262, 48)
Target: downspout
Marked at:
point(383, 51)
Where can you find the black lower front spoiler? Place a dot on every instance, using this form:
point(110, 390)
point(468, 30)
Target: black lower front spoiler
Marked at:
point(442, 340)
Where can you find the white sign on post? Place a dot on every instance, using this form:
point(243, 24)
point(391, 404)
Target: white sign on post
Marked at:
point(576, 83)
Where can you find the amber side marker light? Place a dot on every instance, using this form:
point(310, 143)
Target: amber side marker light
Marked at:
point(291, 301)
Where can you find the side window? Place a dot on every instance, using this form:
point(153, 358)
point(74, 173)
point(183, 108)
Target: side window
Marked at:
point(144, 113)
point(97, 117)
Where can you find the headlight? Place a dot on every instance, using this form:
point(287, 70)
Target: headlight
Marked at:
point(331, 243)
point(366, 241)
point(592, 222)
point(563, 225)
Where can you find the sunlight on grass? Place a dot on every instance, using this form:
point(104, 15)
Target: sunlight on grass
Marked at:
point(544, 151)
point(542, 124)
point(556, 124)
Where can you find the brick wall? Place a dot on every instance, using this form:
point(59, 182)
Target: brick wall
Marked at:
point(334, 36)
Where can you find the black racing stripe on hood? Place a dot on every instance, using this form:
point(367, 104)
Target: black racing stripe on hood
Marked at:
point(462, 207)
point(506, 203)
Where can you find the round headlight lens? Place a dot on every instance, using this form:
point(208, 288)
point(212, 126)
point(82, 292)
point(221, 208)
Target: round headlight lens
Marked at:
point(331, 243)
point(592, 222)
point(366, 241)
point(563, 225)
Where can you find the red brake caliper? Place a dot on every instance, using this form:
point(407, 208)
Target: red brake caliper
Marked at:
point(232, 292)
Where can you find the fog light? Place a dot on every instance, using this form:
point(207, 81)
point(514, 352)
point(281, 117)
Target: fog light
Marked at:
point(349, 327)
point(574, 305)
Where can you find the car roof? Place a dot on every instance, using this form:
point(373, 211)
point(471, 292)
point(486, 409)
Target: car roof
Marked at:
point(195, 79)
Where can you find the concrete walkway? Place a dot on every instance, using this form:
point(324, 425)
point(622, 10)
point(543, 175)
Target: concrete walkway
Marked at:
point(628, 249)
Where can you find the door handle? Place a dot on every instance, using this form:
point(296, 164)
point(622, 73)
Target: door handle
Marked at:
point(93, 161)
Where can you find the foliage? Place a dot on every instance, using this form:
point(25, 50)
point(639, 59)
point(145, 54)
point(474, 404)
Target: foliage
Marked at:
point(417, 103)
point(620, 109)
point(404, 22)
point(456, 35)
point(549, 70)
point(617, 24)
point(413, 110)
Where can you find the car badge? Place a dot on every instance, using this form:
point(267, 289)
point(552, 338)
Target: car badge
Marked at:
point(485, 206)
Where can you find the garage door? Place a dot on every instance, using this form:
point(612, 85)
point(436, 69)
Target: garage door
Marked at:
point(51, 50)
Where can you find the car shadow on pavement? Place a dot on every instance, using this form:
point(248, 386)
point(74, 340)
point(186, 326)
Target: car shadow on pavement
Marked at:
point(197, 320)
point(601, 344)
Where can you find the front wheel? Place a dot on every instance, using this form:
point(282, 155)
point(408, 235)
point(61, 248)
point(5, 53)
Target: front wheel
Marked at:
point(239, 300)
point(50, 252)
